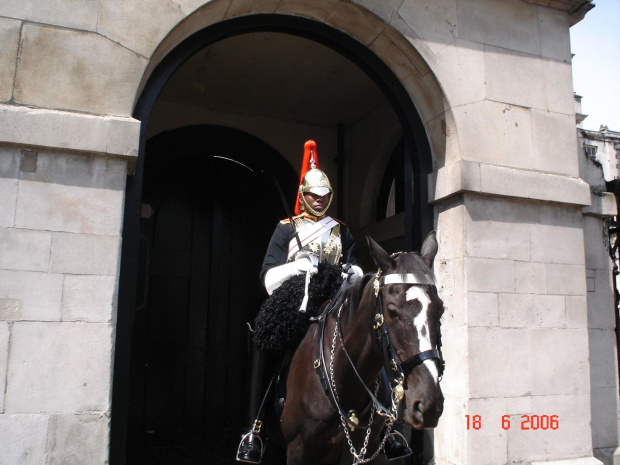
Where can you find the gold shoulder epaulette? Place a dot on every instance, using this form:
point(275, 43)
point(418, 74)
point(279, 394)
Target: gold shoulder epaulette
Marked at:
point(288, 220)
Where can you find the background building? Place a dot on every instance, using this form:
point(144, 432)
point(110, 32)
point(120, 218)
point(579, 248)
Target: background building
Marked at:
point(127, 229)
point(599, 152)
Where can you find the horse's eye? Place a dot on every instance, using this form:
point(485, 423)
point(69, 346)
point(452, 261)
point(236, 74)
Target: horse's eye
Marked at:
point(392, 310)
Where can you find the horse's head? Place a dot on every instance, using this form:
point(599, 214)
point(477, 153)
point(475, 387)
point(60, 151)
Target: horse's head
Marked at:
point(411, 334)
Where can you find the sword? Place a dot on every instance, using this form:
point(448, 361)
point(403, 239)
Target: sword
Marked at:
point(287, 210)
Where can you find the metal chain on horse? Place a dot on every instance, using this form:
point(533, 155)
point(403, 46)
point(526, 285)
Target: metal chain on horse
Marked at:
point(358, 458)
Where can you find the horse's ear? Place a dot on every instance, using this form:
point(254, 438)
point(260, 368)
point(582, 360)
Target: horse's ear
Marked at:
point(429, 248)
point(379, 256)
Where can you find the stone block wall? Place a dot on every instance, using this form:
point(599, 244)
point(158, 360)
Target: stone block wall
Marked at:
point(601, 322)
point(59, 253)
point(600, 312)
point(62, 182)
point(513, 245)
point(515, 289)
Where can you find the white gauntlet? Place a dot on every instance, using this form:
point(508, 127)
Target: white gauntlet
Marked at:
point(278, 274)
point(356, 270)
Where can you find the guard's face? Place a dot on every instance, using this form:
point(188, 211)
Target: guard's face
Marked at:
point(317, 202)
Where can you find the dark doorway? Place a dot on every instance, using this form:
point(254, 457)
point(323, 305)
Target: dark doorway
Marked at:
point(208, 214)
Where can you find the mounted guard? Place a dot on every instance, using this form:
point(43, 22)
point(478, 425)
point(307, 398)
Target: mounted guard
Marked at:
point(301, 245)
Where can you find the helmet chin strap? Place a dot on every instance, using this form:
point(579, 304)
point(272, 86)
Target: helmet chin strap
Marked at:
point(306, 207)
point(312, 211)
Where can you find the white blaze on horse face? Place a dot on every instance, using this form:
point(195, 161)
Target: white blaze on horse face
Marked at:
point(421, 325)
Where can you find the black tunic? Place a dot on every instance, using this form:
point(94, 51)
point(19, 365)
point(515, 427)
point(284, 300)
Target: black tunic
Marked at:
point(277, 251)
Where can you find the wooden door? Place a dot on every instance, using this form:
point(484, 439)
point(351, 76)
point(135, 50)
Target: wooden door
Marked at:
point(201, 255)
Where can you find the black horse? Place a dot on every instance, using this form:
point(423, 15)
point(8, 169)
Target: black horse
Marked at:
point(388, 320)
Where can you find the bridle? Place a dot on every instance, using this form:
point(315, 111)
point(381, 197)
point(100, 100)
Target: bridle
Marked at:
point(395, 369)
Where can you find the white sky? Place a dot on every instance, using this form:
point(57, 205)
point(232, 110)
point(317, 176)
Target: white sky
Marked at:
point(595, 42)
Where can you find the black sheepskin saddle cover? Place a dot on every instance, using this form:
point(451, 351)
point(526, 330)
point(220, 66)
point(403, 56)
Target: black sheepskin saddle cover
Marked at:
point(279, 325)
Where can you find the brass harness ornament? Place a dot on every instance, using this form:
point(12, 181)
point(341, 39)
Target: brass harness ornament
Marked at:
point(398, 390)
point(257, 426)
point(377, 283)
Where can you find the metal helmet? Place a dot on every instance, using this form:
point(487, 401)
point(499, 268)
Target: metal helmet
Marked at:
point(312, 180)
point(316, 182)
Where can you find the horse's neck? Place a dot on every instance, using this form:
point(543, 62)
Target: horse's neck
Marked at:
point(360, 339)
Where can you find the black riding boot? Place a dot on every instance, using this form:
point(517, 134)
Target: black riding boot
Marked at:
point(251, 447)
point(396, 446)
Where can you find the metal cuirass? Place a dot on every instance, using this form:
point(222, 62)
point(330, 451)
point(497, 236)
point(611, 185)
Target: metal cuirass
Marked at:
point(325, 249)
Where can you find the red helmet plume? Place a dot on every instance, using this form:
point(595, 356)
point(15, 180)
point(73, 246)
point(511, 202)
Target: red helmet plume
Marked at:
point(310, 161)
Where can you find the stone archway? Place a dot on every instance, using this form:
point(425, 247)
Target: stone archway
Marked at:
point(389, 43)
point(359, 53)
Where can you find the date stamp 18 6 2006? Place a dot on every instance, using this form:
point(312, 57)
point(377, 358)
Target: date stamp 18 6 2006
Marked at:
point(525, 422)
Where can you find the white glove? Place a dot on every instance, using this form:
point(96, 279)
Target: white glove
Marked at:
point(304, 264)
point(278, 274)
point(357, 271)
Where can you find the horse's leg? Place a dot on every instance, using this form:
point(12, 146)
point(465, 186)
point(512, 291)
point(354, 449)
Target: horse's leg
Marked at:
point(309, 424)
point(299, 410)
point(300, 452)
point(295, 452)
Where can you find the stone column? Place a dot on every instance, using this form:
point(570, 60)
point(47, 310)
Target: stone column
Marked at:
point(62, 181)
point(513, 277)
point(512, 266)
point(602, 336)
point(601, 322)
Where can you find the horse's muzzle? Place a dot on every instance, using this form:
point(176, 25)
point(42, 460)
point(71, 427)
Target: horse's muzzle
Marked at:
point(424, 413)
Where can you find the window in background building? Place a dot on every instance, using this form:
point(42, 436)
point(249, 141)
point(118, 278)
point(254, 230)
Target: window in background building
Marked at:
point(590, 151)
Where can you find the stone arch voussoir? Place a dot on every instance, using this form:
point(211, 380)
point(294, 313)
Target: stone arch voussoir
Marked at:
point(388, 41)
